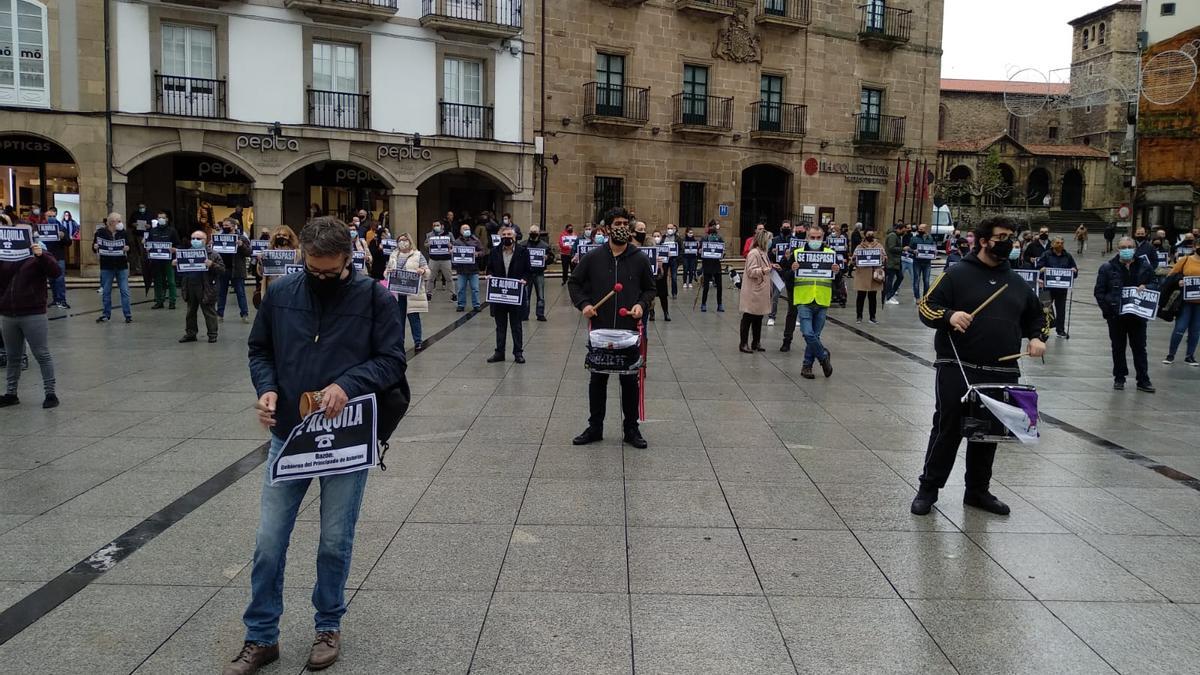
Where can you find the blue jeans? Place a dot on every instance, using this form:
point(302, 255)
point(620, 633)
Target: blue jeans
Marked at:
point(1188, 322)
point(239, 289)
point(414, 320)
point(341, 497)
point(921, 273)
point(537, 284)
point(689, 269)
point(892, 281)
point(460, 286)
point(59, 284)
point(106, 281)
point(812, 322)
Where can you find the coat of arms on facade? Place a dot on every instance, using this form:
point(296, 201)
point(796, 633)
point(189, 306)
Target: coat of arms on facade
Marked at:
point(736, 42)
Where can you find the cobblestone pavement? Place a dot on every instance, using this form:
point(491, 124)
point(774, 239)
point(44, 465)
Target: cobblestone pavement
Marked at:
point(766, 529)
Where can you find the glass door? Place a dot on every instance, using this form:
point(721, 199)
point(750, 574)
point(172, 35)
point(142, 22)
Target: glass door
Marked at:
point(870, 109)
point(770, 103)
point(462, 99)
point(695, 95)
point(610, 81)
point(875, 15)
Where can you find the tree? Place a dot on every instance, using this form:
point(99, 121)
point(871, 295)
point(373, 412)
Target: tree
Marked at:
point(985, 186)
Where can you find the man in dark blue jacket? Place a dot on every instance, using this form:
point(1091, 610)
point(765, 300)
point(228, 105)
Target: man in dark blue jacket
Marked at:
point(509, 260)
point(1126, 270)
point(333, 330)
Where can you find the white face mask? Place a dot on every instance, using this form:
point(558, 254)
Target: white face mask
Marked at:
point(404, 245)
point(658, 240)
point(120, 226)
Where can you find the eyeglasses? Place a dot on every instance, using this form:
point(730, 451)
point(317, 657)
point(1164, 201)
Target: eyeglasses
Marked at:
point(325, 274)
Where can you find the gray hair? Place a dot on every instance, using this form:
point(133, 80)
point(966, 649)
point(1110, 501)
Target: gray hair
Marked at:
point(1057, 237)
point(325, 236)
point(1126, 239)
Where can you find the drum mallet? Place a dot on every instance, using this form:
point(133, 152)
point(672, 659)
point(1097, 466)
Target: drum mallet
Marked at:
point(617, 287)
point(989, 301)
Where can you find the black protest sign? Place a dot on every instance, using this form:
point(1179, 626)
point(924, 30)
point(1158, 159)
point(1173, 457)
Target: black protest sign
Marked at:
point(158, 250)
point(1139, 303)
point(48, 232)
point(387, 246)
point(495, 240)
point(926, 251)
point(815, 264)
point(257, 246)
point(651, 253)
point(1191, 288)
point(586, 247)
point(1030, 277)
point(712, 250)
point(1163, 259)
point(359, 260)
point(691, 247)
point(225, 243)
point(111, 247)
point(439, 245)
point(1055, 277)
point(322, 446)
point(503, 291)
point(292, 269)
point(537, 258)
point(15, 244)
point(570, 240)
point(782, 250)
point(190, 259)
point(672, 249)
point(404, 282)
point(838, 243)
point(868, 257)
point(275, 261)
point(463, 255)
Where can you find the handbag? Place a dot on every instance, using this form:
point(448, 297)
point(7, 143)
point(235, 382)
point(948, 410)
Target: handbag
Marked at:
point(878, 275)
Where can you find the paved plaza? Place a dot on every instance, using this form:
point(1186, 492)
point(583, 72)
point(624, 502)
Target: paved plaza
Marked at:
point(765, 530)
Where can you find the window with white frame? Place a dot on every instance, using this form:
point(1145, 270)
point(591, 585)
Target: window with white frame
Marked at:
point(334, 100)
point(24, 54)
point(187, 80)
point(463, 113)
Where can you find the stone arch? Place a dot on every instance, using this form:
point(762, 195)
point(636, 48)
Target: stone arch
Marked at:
point(478, 167)
point(1037, 186)
point(1071, 198)
point(172, 147)
point(311, 158)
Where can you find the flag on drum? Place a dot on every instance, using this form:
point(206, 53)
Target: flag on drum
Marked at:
point(1021, 419)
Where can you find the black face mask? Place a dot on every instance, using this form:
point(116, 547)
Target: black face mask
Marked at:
point(324, 288)
point(1139, 239)
point(281, 241)
point(507, 241)
point(1001, 249)
point(870, 237)
point(640, 237)
point(535, 236)
point(1043, 237)
point(785, 232)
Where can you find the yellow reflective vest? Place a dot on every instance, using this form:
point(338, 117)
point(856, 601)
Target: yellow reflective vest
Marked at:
point(806, 291)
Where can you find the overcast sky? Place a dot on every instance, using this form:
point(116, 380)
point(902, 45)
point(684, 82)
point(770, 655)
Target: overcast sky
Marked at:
point(991, 40)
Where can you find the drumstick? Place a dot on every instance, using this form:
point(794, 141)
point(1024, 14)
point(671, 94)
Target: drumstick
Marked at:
point(988, 301)
point(616, 289)
point(1011, 357)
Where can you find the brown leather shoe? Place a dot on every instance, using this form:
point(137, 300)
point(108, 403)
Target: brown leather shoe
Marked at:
point(252, 657)
point(325, 649)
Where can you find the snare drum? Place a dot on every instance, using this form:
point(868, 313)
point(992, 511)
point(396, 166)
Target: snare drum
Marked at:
point(979, 423)
point(614, 352)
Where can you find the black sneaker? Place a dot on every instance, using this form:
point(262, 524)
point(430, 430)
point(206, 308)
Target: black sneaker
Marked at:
point(1119, 385)
point(519, 358)
point(64, 305)
point(9, 399)
point(129, 319)
point(157, 305)
point(102, 319)
point(785, 347)
point(1191, 361)
point(827, 364)
point(1146, 387)
point(986, 501)
point(212, 339)
point(589, 435)
point(923, 503)
point(541, 318)
point(50, 402)
point(187, 338)
point(453, 297)
point(634, 437)
point(495, 358)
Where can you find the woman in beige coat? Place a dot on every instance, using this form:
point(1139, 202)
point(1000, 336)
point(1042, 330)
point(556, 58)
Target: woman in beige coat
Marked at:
point(408, 258)
point(755, 299)
point(865, 281)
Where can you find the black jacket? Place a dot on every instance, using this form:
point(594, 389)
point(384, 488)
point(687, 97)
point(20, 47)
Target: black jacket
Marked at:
point(300, 344)
point(1050, 259)
point(111, 262)
point(995, 332)
point(518, 267)
point(599, 271)
point(1113, 276)
point(1032, 253)
point(784, 259)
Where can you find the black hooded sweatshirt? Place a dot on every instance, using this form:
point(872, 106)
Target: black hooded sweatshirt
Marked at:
point(998, 330)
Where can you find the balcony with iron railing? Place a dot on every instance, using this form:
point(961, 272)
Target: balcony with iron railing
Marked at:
point(884, 27)
point(615, 105)
point(623, 3)
point(463, 120)
point(878, 131)
point(339, 110)
point(485, 18)
point(345, 12)
point(789, 14)
point(189, 96)
point(775, 121)
point(711, 9)
point(702, 115)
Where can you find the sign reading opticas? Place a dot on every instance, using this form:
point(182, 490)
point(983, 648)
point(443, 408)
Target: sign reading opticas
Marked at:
point(855, 172)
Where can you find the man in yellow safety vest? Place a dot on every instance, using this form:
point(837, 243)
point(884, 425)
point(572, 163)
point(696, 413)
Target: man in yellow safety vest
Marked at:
point(812, 295)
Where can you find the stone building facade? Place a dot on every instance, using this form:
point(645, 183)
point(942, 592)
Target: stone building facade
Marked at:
point(739, 110)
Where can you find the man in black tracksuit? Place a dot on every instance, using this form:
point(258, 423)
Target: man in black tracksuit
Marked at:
point(510, 260)
point(594, 277)
point(981, 341)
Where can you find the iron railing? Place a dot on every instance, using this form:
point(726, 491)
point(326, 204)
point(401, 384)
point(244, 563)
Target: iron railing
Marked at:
point(189, 96)
point(339, 109)
point(723, 4)
point(780, 118)
point(799, 11)
point(389, 4)
point(879, 129)
point(462, 120)
point(877, 20)
point(495, 12)
point(616, 100)
point(696, 110)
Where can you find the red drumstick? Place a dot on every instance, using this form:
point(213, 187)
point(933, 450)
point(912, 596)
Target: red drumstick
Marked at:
point(623, 311)
point(616, 289)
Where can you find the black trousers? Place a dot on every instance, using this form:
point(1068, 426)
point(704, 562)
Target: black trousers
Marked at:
point(1059, 297)
point(715, 279)
point(752, 325)
point(1128, 331)
point(858, 303)
point(598, 400)
point(209, 309)
point(946, 435)
point(505, 317)
point(661, 289)
point(793, 313)
point(566, 265)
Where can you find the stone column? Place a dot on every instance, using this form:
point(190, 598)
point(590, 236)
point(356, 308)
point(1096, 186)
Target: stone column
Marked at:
point(268, 208)
point(402, 205)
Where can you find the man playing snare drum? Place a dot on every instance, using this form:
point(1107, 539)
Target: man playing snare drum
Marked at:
point(984, 324)
point(596, 275)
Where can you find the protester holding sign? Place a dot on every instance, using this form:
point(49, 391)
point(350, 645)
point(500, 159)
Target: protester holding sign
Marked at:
point(409, 259)
point(812, 294)
point(712, 250)
point(982, 312)
point(1188, 319)
point(111, 245)
point(894, 269)
point(690, 252)
point(161, 242)
point(362, 256)
point(780, 256)
point(55, 239)
point(23, 309)
point(755, 297)
point(541, 256)
point(924, 252)
point(468, 272)
point(199, 289)
point(674, 245)
point(1125, 270)
point(510, 260)
point(282, 239)
point(234, 264)
point(868, 281)
point(566, 249)
point(437, 251)
point(1052, 264)
point(333, 331)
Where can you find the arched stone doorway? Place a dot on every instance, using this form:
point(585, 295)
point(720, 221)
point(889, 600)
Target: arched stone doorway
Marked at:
point(467, 193)
point(1009, 178)
point(196, 190)
point(766, 197)
point(957, 180)
point(1038, 186)
point(36, 171)
point(332, 188)
point(1072, 190)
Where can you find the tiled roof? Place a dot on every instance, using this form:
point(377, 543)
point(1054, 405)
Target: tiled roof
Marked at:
point(977, 145)
point(1077, 150)
point(1122, 4)
point(1005, 86)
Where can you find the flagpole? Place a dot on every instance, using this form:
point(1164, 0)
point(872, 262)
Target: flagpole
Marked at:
point(904, 211)
point(896, 193)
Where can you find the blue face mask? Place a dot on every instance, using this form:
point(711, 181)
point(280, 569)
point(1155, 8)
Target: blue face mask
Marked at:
point(1126, 254)
point(601, 239)
point(197, 243)
point(814, 244)
point(1014, 254)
